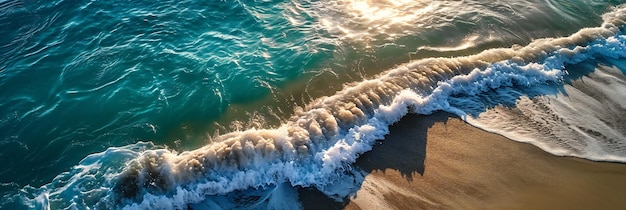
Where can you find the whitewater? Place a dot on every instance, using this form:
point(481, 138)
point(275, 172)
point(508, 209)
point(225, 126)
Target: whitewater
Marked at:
point(316, 146)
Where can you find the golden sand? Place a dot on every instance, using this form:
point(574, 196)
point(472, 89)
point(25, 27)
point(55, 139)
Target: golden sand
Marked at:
point(441, 162)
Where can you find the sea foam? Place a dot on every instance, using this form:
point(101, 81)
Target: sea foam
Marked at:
point(318, 144)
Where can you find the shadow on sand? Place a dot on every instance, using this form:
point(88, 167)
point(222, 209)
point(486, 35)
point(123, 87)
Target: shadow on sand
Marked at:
point(404, 150)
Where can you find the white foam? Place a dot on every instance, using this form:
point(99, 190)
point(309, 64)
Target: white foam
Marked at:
point(584, 119)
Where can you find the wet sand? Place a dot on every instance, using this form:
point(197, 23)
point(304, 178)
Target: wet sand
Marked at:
point(441, 162)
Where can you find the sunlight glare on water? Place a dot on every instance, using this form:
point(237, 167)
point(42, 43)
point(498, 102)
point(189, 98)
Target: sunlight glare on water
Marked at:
point(366, 20)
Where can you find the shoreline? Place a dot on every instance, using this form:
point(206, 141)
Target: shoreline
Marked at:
point(439, 161)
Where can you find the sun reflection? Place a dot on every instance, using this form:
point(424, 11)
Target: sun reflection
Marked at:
point(371, 11)
point(371, 20)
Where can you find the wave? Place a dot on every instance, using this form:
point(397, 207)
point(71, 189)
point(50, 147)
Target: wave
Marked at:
point(318, 144)
point(583, 118)
point(135, 71)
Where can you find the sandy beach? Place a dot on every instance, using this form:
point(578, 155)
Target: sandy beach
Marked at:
point(440, 162)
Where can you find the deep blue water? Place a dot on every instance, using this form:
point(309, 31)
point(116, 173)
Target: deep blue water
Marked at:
point(83, 77)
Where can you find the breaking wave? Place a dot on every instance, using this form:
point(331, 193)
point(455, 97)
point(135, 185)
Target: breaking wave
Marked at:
point(318, 144)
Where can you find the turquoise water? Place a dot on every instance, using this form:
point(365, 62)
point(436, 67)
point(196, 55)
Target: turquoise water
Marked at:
point(103, 78)
point(78, 77)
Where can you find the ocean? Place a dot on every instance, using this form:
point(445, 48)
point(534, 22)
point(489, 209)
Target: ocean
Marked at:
point(239, 103)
